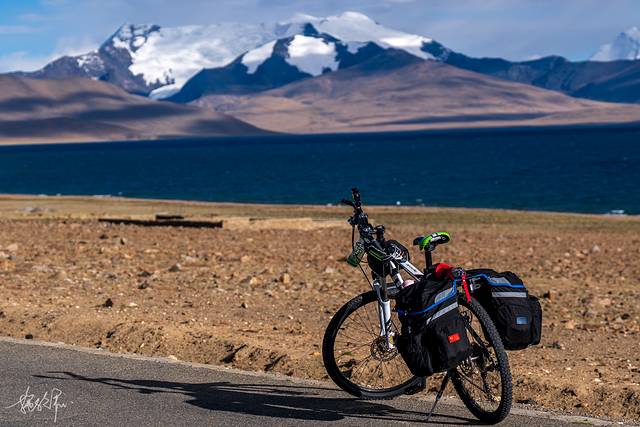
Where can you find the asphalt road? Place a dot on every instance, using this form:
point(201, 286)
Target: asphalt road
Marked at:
point(45, 384)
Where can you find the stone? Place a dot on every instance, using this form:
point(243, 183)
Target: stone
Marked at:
point(245, 258)
point(133, 304)
point(249, 280)
point(28, 336)
point(189, 259)
point(570, 325)
point(108, 303)
point(60, 275)
point(285, 279)
point(595, 249)
point(329, 270)
point(12, 248)
point(175, 268)
point(143, 285)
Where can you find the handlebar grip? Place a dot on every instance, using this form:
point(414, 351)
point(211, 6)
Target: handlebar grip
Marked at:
point(347, 202)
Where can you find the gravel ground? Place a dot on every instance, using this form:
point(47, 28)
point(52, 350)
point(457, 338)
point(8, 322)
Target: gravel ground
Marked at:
point(258, 293)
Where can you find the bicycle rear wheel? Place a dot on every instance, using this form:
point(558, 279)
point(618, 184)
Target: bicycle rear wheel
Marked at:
point(483, 382)
point(356, 357)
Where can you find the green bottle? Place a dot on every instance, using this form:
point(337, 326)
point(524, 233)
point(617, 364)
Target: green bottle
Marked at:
point(356, 254)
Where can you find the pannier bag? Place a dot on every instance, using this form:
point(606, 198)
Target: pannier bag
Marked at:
point(516, 314)
point(433, 336)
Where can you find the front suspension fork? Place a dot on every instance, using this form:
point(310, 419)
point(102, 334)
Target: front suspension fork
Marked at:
point(384, 313)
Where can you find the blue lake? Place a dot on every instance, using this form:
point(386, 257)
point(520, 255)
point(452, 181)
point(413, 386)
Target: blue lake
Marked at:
point(595, 171)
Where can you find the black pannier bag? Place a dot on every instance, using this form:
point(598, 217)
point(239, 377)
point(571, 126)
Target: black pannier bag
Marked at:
point(516, 314)
point(433, 337)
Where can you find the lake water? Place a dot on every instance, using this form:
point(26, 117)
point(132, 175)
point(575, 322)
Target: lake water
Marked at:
point(577, 171)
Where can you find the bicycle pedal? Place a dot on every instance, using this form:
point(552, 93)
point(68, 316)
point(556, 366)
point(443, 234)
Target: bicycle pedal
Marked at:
point(417, 388)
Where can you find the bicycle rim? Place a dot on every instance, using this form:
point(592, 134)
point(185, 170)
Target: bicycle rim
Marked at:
point(357, 357)
point(484, 381)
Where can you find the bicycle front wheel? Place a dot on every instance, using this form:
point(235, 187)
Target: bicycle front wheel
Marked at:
point(358, 359)
point(483, 382)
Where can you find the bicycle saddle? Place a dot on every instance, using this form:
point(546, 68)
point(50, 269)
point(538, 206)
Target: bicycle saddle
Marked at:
point(429, 243)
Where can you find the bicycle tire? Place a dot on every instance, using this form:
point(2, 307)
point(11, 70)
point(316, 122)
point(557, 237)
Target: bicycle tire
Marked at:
point(328, 345)
point(491, 334)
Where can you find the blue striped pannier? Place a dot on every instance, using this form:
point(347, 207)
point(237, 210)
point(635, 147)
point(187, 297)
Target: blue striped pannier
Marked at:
point(516, 314)
point(433, 335)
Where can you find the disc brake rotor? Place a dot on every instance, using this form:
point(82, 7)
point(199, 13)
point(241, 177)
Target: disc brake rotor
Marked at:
point(380, 350)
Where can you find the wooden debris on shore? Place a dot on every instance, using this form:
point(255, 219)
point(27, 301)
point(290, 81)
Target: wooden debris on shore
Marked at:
point(164, 220)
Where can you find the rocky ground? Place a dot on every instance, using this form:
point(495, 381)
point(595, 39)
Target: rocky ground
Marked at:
point(258, 293)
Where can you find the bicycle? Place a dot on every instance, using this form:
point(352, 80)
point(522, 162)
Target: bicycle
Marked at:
point(359, 351)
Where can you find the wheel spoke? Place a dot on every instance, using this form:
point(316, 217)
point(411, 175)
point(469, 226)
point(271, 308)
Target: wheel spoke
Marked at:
point(479, 380)
point(363, 356)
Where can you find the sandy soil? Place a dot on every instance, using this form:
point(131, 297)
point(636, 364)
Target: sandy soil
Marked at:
point(258, 293)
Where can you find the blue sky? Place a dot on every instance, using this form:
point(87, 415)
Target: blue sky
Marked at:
point(33, 32)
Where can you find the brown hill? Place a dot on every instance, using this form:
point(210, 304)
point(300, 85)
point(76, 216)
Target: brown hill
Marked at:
point(73, 110)
point(378, 96)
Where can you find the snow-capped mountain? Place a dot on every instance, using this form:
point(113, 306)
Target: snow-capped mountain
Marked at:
point(158, 61)
point(284, 61)
point(313, 46)
point(625, 47)
point(356, 29)
point(233, 58)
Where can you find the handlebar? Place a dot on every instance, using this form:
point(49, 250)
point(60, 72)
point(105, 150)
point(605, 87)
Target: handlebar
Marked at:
point(360, 219)
point(348, 203)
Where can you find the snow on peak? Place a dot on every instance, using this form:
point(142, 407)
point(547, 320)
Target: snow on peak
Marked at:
point(312, 55)
point(165, 58)
point(89, 60)
point(172, 55)
point(257, 56)
point(625, 46)
point(354, 27)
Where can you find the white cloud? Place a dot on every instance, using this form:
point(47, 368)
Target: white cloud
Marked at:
point(16, 29)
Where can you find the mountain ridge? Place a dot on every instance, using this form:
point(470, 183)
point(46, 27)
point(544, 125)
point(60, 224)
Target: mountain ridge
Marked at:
point(84, 110)
point(380, 95)
point(159, 62)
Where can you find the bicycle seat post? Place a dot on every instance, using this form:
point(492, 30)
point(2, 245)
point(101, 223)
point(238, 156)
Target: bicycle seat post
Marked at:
point(428, 259)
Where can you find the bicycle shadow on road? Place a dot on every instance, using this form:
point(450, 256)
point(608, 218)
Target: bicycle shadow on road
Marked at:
point(270, 400)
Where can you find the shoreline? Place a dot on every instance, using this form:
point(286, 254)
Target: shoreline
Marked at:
point(406, 134)
point(296, 206)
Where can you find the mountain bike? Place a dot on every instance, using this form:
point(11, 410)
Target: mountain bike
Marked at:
point(359, 350)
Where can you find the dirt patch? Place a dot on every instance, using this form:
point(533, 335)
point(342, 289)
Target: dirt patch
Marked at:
point(258, 293)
